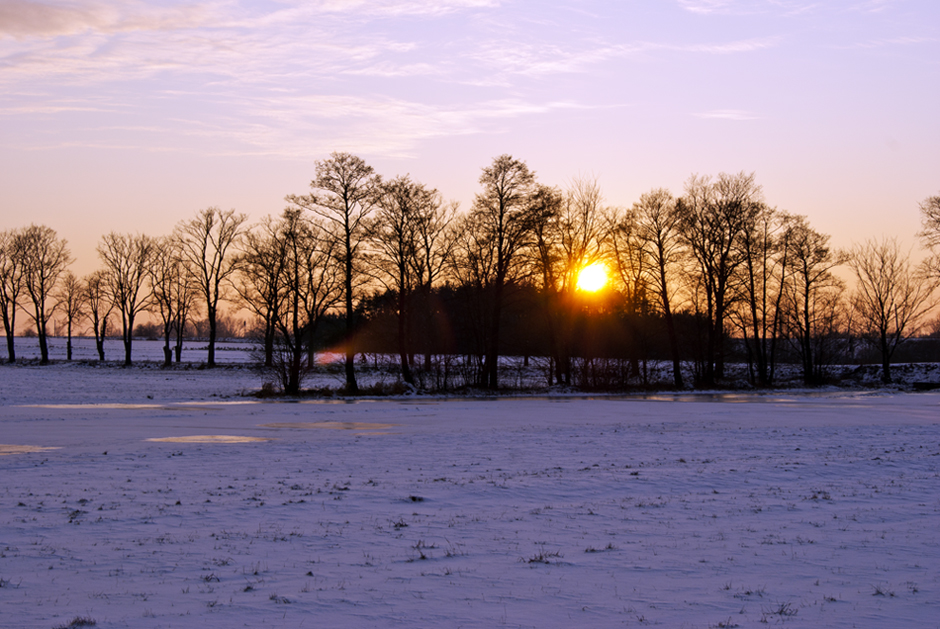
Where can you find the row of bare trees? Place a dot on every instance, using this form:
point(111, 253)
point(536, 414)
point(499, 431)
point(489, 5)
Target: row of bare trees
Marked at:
point(168, 277)
point(717, 256)
point(719, 253)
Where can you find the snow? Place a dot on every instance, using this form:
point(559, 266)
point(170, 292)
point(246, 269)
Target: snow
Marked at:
point(149, 498)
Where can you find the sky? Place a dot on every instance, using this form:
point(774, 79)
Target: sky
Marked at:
point(130, 116)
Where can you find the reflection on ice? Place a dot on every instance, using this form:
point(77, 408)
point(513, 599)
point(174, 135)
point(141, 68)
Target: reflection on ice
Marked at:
point(9, 449)
point(209, 439)
point(145, 406)
point(332, 425)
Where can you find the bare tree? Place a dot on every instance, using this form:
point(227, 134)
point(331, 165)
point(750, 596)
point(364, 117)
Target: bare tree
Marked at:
point(260, 278)
point(127, 258)
point(402, 251)
point(812, 293)
point(185, 295)
point(502, 220)
point(766, 256)
point(568, 229)
point(890, 298)
point(343, 193)
point(11, 285)
point(311, 284)
point(71, 296)
point(633, 268)
point(553, 278)
point(436, 236)
point(471, 268)
point(930, 232)
point(172, 292)
point(658, 232)
point(713, 217)
point(100, 304)
point(45, 258)
point(208, 245)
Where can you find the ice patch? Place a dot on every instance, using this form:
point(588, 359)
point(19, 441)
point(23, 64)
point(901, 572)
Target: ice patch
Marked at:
point(6, 450)
point(209, 439)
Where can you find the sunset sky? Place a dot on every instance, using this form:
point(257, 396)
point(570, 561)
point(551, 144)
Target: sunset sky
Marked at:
point(130, 116)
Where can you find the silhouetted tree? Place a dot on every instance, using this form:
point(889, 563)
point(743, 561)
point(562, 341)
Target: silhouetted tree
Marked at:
point(71, 301)
point(761, 278)
point(343, 193)
point(260, 277)
point(11, 285)
point(813, 293)
point(436, 235)
point(100, 303)
point(173, 292)
point(632, 272)
point(496, 230)
point(551, 279)
point(45, 258)
point(208, 245)
point(714, 214)
point(394, 243)
point(890, 298)
point(568, 231)
point(127, 258)
point(930, 232)
point(658, 234)
point(311, 284)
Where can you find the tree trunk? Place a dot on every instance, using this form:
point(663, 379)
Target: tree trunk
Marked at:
point(11, 350)
point(428, 337)
point(43, 345)
point(128, 340)
point(490, 366)
point(885, 360)
point(269, 343)
point(402, 338)
point(719, 354)
point(670, 328)
point(211, 312)
point(292, 386)
point(99, 339)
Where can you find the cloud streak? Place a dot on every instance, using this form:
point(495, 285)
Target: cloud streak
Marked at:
point(28, 18)
point(293, 78)
point(296, 78)
point(728, 114)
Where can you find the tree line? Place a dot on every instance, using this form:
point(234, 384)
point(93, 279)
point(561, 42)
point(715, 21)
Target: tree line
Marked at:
point(396, 265)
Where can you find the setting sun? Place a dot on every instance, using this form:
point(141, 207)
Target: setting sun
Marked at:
point(593, 277)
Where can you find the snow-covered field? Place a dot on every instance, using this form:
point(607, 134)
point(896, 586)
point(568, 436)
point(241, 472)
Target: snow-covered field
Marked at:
point(144, 498)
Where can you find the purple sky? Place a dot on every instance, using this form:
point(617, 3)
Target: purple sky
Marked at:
point(130, 116)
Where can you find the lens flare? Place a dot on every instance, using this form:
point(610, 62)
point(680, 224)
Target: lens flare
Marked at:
point(593, 277)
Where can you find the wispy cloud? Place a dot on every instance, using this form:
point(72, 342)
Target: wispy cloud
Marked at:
point(784, 7)
point(515, 58)
point(430, 8)
point(891, 41)
point(728, 114)
point(706, 6)
point(303, 126)
point(744, 45)
point(292, 76)
point(28, 18)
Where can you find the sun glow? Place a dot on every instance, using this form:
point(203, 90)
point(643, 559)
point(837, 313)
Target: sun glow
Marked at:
point(593, 277)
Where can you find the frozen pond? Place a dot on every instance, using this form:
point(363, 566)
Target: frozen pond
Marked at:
point(211, 510)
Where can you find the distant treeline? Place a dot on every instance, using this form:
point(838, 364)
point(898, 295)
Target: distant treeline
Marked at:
point(366, 264)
